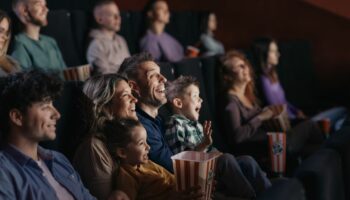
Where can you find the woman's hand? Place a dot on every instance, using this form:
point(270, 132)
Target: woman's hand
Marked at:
point(266, 114)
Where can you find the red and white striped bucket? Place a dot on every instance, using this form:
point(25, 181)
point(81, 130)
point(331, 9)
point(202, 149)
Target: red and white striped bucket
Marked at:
point(277, 149)
point(194, 168)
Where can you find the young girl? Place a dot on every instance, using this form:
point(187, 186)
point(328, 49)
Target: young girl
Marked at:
point(136, 175)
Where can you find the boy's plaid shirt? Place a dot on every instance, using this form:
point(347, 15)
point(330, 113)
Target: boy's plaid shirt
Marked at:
point(183, 134)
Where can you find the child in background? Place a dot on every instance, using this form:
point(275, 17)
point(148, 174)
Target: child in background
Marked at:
point(236, 177)
point(136, 175)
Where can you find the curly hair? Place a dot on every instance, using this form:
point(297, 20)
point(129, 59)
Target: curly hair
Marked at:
point(21, 90)
point(229, 77)
point(100, 90)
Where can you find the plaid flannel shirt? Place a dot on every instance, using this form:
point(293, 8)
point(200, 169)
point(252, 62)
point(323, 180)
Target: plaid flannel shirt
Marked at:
point(183, 134)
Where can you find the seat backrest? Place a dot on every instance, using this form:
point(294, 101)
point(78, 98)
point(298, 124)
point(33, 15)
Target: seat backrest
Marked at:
point(340, 141)
point(321, 175)
point(132, 29)
point(82, 22)
point(286, 189)
point(60, 28)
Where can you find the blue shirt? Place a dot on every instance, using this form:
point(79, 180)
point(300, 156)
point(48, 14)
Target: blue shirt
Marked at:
point(21, 177)
point(160, 152)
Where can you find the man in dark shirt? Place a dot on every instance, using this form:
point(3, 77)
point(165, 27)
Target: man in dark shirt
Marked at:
point(149, 85)
point(27, 115)
point(243, 176)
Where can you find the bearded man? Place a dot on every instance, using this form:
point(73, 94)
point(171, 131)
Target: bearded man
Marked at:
point(31, 49)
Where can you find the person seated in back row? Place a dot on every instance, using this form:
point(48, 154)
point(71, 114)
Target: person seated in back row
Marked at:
point(107, 50)
point(161, 45)
point(27, 115)
point(31, 49)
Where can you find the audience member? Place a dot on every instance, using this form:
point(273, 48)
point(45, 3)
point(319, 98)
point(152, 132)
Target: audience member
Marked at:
point(7, 64)
point(157, 42)
point(209, 45)
point(267, 56)
point(31, 49)
point(243, 116)
point(137, 176)
point(107, 49)
point(149, 86)
point(27, 170)
point(109, 96)
point(184, 132)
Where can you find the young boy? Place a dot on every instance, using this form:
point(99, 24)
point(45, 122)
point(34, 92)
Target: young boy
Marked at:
point(184, 132)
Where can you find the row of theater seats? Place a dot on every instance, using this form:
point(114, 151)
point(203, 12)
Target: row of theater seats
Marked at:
point(71, 28)
point(324, 175)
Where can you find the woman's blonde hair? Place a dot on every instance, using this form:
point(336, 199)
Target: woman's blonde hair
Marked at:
point(4, 16)
point(100, 90)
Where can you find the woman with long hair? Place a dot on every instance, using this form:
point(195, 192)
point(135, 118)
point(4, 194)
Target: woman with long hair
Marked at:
point(267, 56)
point(209, 45)
point(7, 64)
point(108, 97)
point(243, 116)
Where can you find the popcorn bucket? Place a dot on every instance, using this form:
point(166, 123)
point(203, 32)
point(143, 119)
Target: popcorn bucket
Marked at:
point(192, 51)
point(277, 151)
point(194, 168)
point(325, 125)
point(80, 73)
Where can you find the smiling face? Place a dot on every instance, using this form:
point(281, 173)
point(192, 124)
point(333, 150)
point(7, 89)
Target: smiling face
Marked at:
point(136, 152)
point(151, 84)
point(123, 102)
point(39, 122)
point(4, 33)
point(191, 103)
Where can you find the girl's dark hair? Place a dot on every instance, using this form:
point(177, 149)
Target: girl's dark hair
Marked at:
point(118, 134)
point(261, 47)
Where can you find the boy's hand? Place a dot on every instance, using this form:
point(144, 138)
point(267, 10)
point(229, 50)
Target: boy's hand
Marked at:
point(207, 131)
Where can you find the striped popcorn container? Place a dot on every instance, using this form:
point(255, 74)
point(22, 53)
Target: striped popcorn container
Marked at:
point(80, 73)
point(194, 168)
point(277, 149)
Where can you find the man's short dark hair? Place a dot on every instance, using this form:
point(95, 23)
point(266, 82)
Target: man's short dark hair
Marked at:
point(21, 90)
point(129, 66)
point(176, 88)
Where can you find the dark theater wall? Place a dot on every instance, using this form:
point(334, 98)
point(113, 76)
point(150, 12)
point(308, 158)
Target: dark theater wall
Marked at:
point(241, 21)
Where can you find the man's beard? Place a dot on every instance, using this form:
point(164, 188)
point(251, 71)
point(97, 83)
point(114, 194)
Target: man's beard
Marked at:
point(36, 21)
